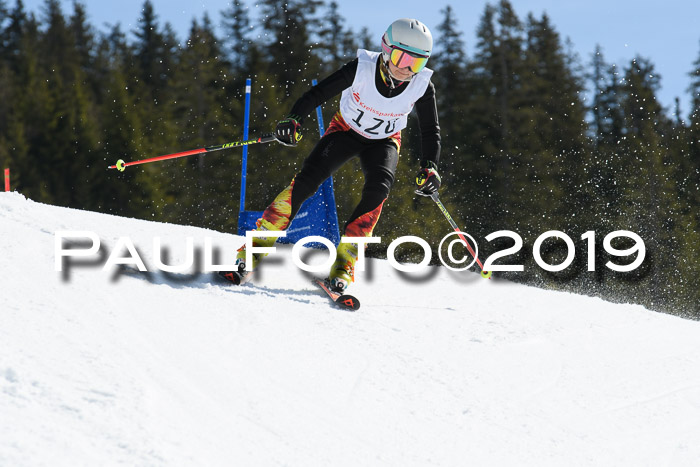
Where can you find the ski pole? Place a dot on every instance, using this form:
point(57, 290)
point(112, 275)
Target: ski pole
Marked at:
point(121, 165)
point(443, 209)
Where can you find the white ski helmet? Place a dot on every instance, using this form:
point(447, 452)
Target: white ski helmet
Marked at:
point(407, 42)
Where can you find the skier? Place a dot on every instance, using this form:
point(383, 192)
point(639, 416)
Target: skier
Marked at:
point(379, 89)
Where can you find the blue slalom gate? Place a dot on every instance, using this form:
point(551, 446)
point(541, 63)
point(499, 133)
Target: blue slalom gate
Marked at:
point(317, 216)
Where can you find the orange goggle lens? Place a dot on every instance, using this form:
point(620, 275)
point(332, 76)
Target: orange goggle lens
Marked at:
point(403, 59)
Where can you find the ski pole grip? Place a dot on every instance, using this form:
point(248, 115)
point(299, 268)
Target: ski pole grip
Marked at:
point(268, 138)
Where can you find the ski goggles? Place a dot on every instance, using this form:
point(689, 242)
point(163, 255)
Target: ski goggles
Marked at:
point(402, 58)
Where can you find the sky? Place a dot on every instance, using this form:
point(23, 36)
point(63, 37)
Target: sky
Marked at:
point(621, 27)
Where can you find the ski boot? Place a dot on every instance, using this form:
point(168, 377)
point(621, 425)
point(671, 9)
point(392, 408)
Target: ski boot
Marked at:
point(242, 274)
point(343, 270)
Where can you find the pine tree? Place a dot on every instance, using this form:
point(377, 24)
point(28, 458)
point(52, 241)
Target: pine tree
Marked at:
point(449, 62)
point(606, 169)
point(129, 193)
point(608, 119)
point(694, 90)
point(155, 55)
point(462, 167)
point(11, 26)
point(554, 90)
point(289, 26)
point(4, 19)
point(650, 206)
point(242, 50)
point(509, 71)
point(151, 50)
point(51, 122)
point(694, 128)
point(84, 37)
point(684, 155)
point(71, 150)
point(365, 39)
point(6, 88)
point(336, 45)
point(498, 69)
point(483, 135)
point(200, 85)
point(27, 100)
point(554, 145)
point(597, 78)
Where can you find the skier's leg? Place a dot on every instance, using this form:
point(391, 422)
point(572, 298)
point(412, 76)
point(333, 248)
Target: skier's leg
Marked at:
point(379, 164)
point(330, 153)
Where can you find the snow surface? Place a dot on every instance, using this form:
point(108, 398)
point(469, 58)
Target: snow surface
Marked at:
point(437, 368)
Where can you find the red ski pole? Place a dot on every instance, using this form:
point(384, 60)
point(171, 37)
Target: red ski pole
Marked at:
point(121, 165)
point(443, 209)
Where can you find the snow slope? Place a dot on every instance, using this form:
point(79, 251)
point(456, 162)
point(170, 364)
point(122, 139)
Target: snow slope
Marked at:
point(453, 370)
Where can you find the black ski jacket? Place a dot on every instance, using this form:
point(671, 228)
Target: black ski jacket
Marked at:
point(426, 106)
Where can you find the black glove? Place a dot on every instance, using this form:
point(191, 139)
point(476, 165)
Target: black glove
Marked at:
point(288, 131)
point(428, 179)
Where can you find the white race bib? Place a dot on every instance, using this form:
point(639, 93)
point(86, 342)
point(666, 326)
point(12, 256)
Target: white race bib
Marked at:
point(371, 114)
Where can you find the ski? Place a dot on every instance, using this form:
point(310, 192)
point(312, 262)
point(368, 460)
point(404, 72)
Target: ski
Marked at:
point(344, 301)
point(235, 277)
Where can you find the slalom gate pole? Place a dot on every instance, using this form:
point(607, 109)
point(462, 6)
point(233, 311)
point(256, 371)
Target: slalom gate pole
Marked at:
point(7, 179)
point(244, 157)
point(121, 165)
point(443, 209)
point(319, 113)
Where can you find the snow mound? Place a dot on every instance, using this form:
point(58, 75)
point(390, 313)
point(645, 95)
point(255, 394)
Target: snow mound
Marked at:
point(437, 368)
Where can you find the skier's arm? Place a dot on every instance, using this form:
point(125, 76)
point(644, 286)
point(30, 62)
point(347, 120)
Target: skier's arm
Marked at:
point(325, 90)
point(426, 108)
point(428, 179)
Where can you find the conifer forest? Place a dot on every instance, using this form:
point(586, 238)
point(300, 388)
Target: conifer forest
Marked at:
point(534, 137)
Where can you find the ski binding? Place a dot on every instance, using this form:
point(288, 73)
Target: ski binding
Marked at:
point(344, 301)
